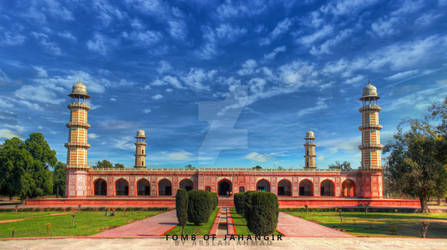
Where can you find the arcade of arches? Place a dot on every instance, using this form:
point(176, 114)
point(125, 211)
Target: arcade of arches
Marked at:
point(225, 187)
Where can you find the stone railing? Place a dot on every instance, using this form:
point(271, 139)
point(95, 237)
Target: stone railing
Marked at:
point(218, 169)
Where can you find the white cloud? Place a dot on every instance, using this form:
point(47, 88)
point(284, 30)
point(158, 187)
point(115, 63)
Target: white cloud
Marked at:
point(147, 110)
point(93, 136)
point(157, 97)
point(46, 43)
point(354, 80)
point(273, 54)
point(257, 157)
point(248, 67)
point(321, 104)
point(321, 33)
point(98, 44)
point(347, 144)
point(39, 94)
point(8, 134)
point(124, 143)
point(281, 28)
point(385, 26)
point(41, 72)
point(67, 35)
point(325, 48)
point(420, 100)
point(402, 75)
point(230, 9)
point(229, 33)
point(11, 39)
point(346, 7)
point(164, 67)
point(113, 99)
point(179, 156)
point(118, 125)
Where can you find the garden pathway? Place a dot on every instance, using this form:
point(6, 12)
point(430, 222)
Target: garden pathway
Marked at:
point(153, 226)
point(296, 227)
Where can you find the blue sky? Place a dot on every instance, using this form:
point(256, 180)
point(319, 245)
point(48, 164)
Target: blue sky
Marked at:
point(219, 83)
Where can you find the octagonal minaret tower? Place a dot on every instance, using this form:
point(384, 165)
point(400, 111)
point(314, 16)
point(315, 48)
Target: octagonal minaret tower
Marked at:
point(140, 153)
point(77, 142)
point(309, 146)
point(371, 147)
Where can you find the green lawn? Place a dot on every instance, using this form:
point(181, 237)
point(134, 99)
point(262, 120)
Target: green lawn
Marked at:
point(191, 229)
point(87, 222)
point(380, 224)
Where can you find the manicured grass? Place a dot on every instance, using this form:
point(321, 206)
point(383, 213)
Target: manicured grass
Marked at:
point(380, 224)
point(191, 229)
point(86, 222)
point(241, 223)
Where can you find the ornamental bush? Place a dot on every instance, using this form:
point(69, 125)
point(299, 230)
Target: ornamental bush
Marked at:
point(199, 206)
point(246, 203)
point(213, 199)
point(263, 213)
point(181, 207)
point(238, 202)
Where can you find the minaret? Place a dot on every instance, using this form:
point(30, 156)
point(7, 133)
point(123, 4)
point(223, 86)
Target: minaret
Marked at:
point(77, 142)
point(371, 147)
point(140, 153)
point(309, 146)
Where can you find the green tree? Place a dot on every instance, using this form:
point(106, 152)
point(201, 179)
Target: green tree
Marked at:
point(59, 179)
point(40, 150)
point(103, 164)
point(263, 213)
point(344, 166)
point(119, 165)
point(199, 206)
point(189, 166)
point(181, 206)
point(257, 167)
point(20, 173)
point(414, 166)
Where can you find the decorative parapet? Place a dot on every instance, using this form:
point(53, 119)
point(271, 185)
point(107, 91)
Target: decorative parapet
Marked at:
point(221, 169)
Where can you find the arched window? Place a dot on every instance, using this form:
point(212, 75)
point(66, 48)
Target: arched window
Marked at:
point(241, 189)
point(100, 187)
point(144, 188)
point(284, 188)
point(122, 187)
point(263, 186)
point(225, 188)
point(327, 188)
point(208, 188)
point(306, 188)
point(348, 189)
point(164, 187)
point(187, 184)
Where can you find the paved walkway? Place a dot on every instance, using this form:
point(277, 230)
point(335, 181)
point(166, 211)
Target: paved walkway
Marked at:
point(296, 227)
point(153, 226)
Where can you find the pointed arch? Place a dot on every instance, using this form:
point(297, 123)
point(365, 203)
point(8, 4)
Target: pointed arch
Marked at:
point(100, 187)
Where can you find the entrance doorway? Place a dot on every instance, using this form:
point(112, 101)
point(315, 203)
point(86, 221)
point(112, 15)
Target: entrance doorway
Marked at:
point(225, 188)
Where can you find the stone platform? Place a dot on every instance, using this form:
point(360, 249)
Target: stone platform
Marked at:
point(284, 202)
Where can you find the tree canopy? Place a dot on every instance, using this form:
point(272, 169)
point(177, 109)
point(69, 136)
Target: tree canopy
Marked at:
point(344, 166)
point(417, 163)
point(257, 167)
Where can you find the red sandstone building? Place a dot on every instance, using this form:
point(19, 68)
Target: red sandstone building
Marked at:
point(142, 186)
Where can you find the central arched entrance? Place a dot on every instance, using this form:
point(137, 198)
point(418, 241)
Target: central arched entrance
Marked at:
point(306, 188)
point(327, 188)
point(186, 184)
point(144, 189)
point(164, 187)
point(100, 187)
point(284, 188)
point(225, 188)
point(122, 187)
point(263, 186)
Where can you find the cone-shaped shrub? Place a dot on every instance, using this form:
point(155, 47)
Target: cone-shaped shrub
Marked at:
point(238, 202)
point(181, 206)
point(263, 213)
point(213, 199)
point(199, 206)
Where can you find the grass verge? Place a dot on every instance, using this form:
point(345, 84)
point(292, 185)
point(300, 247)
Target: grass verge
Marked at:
point(374, 224)
point(191, 229)
point(43, 224)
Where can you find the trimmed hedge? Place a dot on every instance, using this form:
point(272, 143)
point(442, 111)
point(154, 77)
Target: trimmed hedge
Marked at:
point(263, 213)
point(238, 202)
point(246, 203)
point(200, 206)
point(181, 207)
point(214, 200)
